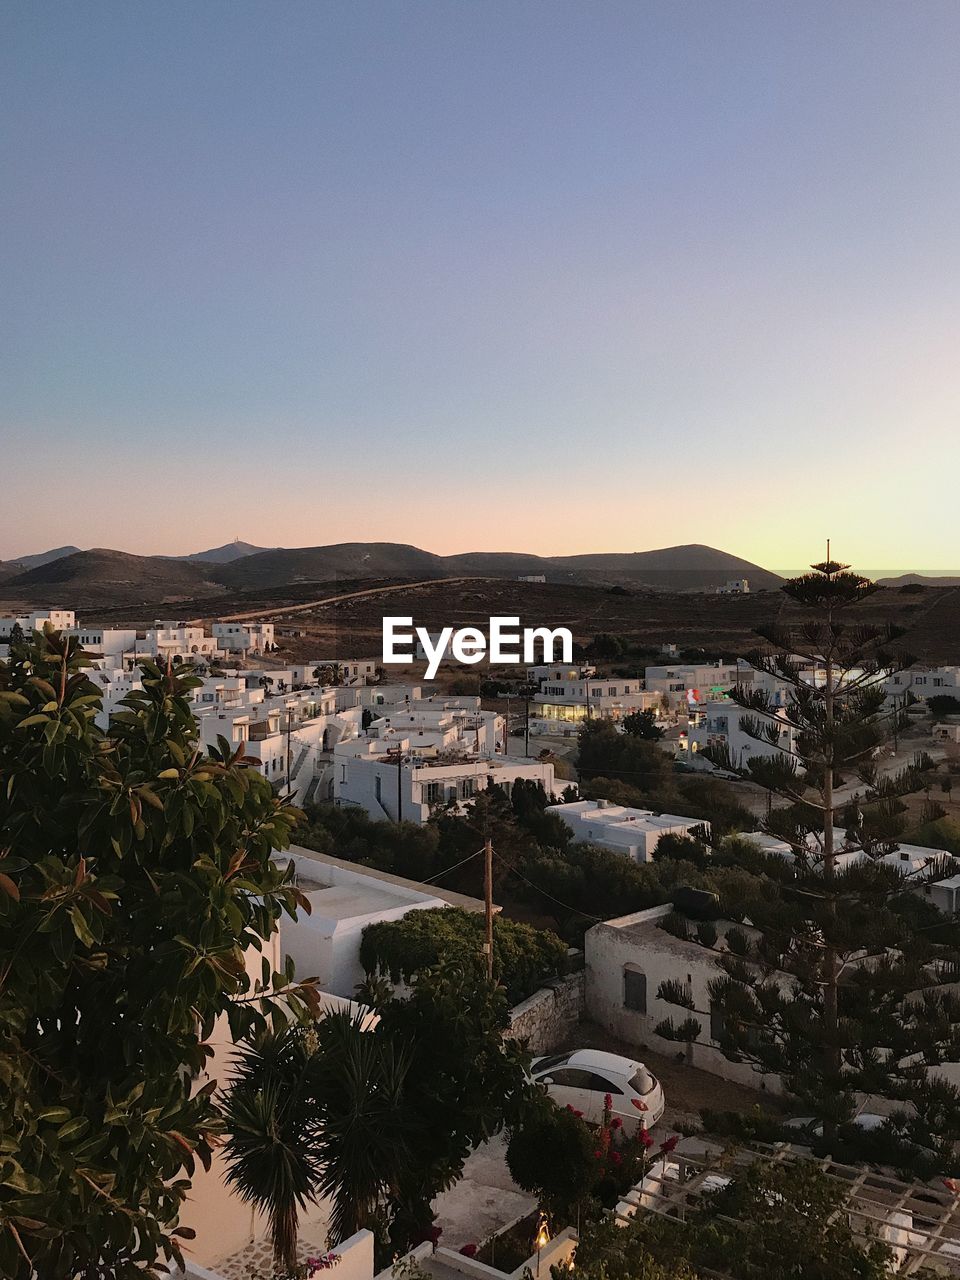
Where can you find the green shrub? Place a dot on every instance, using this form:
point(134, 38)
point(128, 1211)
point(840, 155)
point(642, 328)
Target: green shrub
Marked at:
point(523, 957)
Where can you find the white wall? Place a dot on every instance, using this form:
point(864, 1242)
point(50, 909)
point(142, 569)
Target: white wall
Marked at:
point(634, 940)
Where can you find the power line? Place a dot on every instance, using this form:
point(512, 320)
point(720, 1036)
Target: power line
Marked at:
point(447, 870)
point(566, 906)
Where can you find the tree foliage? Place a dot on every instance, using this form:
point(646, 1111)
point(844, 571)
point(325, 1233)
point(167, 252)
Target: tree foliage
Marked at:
point(772, 1222)
point(840, 981)
point(135, 875)
point(523, 957)
point(379, 1114)
point(551, 1155)
point(642, 724)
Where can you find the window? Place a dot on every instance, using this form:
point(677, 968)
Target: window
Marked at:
point(612, 691)
point(378, 788)
point(634, 989)
point(432, 792)
point(643, 1082)
point(554, 1060)
point(578, 1078)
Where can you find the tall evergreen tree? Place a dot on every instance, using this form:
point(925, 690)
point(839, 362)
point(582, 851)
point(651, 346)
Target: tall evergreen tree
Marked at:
point(839, 980)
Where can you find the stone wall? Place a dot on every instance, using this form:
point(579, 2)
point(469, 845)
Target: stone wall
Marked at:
point(546, 1020)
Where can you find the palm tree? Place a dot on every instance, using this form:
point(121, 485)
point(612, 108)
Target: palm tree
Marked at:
point(314, 1112)
point(271, 1151)
point(359, 1079)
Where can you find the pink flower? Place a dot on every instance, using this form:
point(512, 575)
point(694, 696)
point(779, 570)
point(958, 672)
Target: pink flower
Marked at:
point(469, 1250)
point(669, 1144)
point(598, 1155)
point(607, 1102)
point(616, 1123)
point(616, 1157)
point(646, 1138)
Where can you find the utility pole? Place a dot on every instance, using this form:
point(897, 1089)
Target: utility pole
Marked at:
point(526, 731)
point(488, 903)
point(399, 783)
point(289, 754)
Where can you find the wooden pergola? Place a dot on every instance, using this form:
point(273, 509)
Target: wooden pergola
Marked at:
point(919, 1221)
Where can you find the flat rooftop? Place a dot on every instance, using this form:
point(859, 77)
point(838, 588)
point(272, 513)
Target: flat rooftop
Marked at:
point(350, 901)
point(326, 860)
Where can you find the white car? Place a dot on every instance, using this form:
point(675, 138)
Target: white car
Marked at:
point(583, 1078)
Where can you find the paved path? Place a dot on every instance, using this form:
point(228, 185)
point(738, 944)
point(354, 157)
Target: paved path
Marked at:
point(485, 1200)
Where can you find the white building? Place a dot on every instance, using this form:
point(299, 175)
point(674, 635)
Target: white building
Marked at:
point(567, 702)
point(919, 682)
point(59, 619)
point(436, 725)
point(627, 959)
point(179, 640)
point(633, 832)
point(352, 670)
point(553, 673)
point(735, 587)
point(111, 642)
point(344, 898)
point(290, 734)
point(389, 780)
point(680, 686)
point(718, 724)
point(244, 637)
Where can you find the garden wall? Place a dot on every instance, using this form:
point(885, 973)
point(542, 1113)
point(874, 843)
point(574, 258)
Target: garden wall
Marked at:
point(547, 1018)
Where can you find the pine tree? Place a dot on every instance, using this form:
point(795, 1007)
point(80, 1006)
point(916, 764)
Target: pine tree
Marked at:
point(839, 979)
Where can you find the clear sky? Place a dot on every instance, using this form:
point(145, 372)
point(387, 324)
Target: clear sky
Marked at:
point(510, 274)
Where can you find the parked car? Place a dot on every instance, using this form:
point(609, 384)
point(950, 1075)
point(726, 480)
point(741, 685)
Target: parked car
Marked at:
point(583, 1078)
point(813, 1128)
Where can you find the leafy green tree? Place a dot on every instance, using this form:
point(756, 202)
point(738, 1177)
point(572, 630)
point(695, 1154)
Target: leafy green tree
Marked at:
point(17, 636)
point(523, 957)
point(605, 645)
point(840, 985)
point(135, 875)
point(551, 1154)
point(943, 704)
point(642, 724)
point(465, 1082)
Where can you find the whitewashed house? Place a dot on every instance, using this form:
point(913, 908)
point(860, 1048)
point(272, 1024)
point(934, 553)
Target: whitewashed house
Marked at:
point(679, 686)
point(565, 703)
point(632, 832)
point(244, 637)
point(344, 898)
point(390, 780)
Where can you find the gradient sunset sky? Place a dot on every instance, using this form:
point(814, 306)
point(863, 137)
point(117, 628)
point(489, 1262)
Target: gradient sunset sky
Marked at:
point(527, 275)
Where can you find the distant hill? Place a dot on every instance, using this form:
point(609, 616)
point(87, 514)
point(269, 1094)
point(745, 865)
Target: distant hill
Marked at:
point(910, 579)
point(226, 554)
point(686, 568)
point(41, 558)
point(341, 560)
point(103, 577)
point(112, 577)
